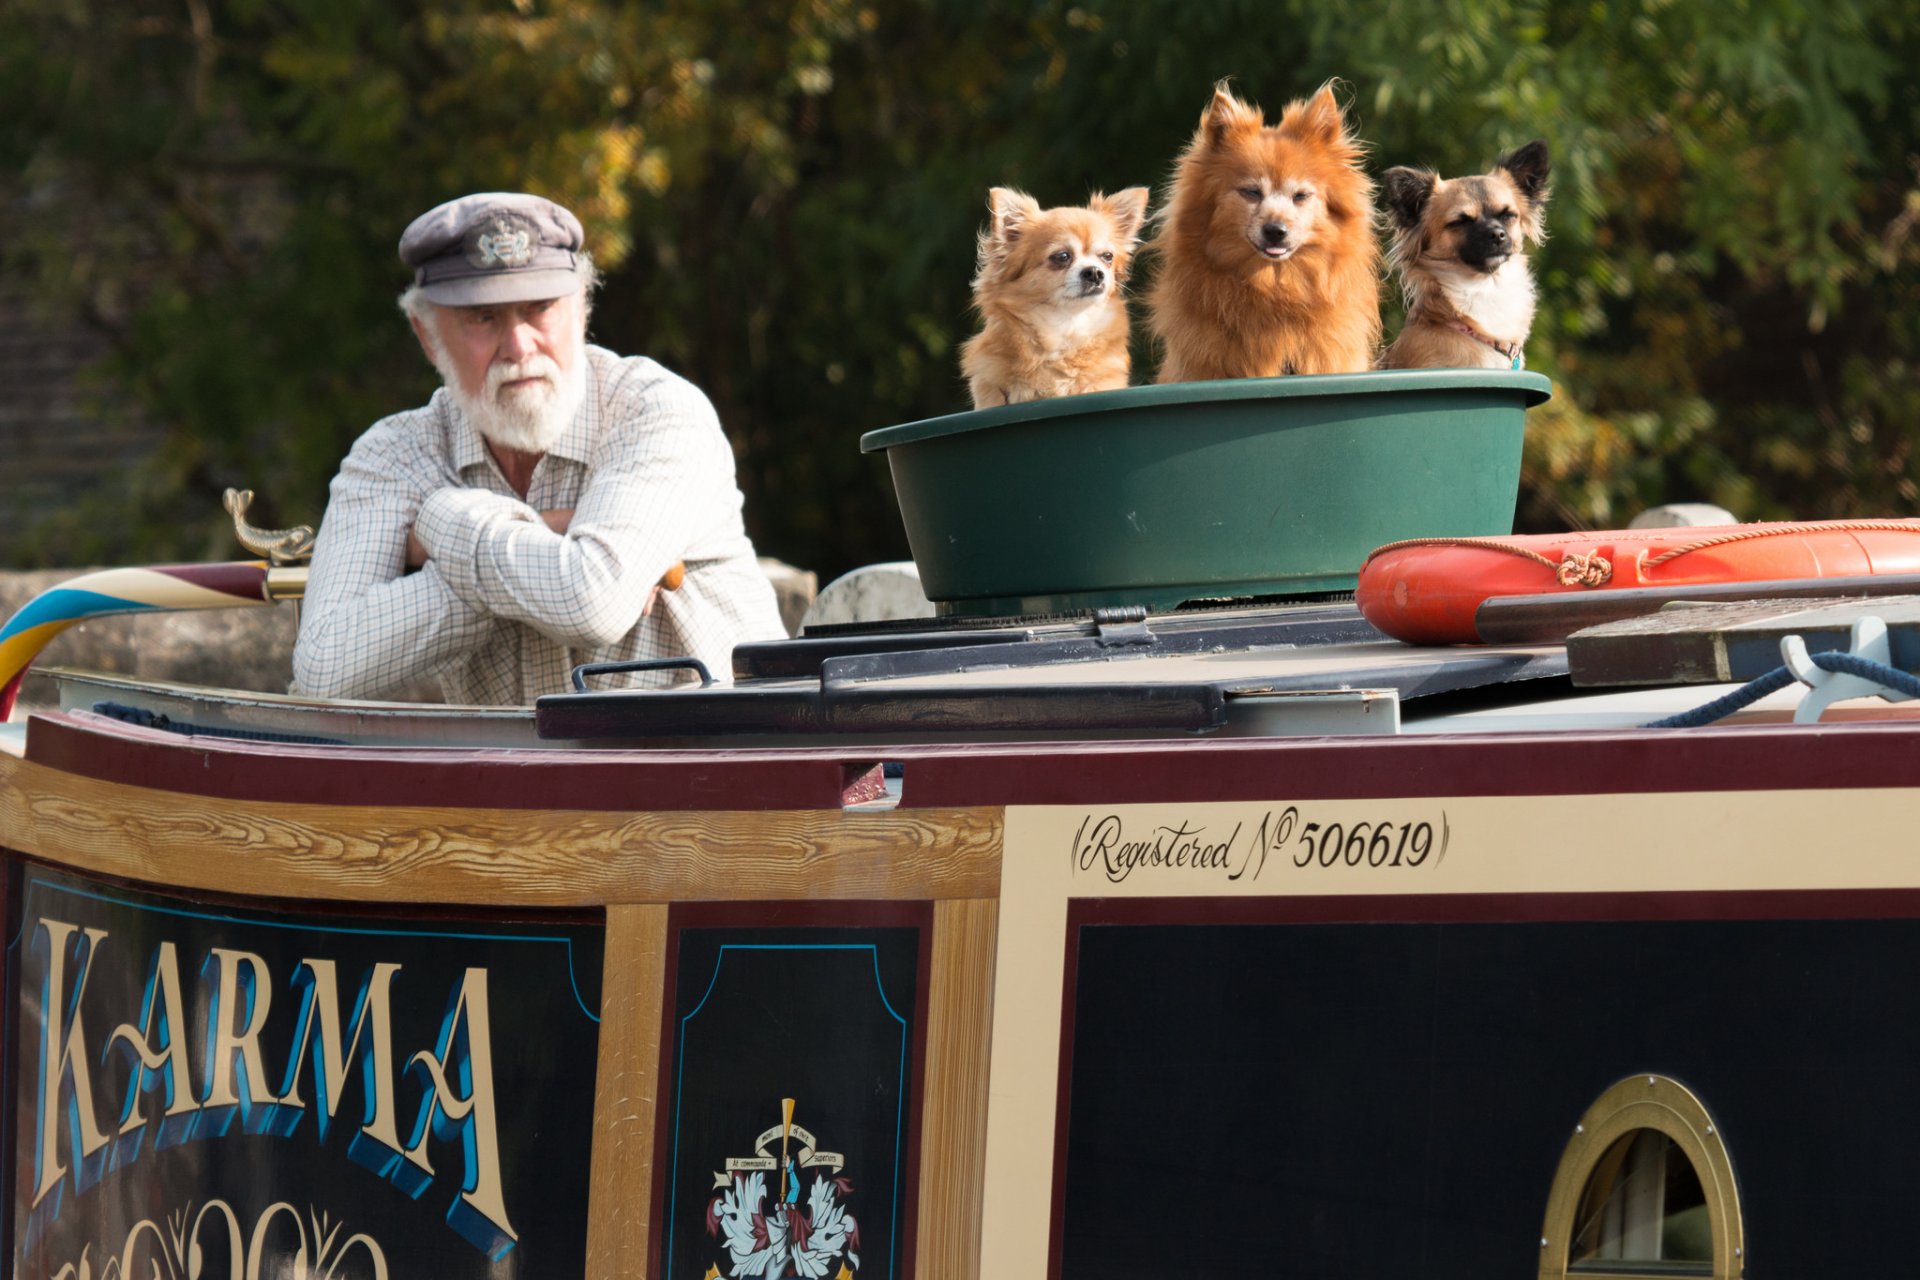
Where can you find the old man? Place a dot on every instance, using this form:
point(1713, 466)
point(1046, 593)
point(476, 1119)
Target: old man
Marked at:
point(521, 522)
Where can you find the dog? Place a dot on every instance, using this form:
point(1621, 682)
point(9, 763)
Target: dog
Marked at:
point(1268, 257)
point(1048, 289)
point(1460, 251)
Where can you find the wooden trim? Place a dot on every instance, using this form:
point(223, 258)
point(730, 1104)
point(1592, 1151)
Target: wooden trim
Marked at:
point(620, 1198)
point(953, 1131)
point(494, 857)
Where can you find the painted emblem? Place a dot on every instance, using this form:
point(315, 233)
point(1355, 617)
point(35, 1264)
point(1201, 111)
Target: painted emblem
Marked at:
point(506, 245)
point(807, 1232)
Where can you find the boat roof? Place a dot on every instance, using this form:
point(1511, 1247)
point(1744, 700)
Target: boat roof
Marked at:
point(1273, 672)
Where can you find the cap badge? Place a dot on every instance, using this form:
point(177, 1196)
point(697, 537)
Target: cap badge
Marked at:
point(505, 246)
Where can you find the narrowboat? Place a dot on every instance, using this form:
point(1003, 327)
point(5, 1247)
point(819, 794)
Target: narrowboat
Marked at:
point(1147, 912)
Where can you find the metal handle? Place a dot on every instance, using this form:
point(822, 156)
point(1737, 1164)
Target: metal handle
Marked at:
point(585, 669)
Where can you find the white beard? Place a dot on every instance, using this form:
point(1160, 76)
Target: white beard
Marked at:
point(528, 418)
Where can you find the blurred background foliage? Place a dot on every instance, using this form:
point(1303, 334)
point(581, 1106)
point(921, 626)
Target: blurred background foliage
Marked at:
point(784, 196)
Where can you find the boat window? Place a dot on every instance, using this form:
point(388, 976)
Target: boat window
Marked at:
point(1645, 1188)
point(1643, 1204)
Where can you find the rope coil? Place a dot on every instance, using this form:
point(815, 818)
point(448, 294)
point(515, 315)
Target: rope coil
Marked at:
point(1573, 569)
point(1577, 570)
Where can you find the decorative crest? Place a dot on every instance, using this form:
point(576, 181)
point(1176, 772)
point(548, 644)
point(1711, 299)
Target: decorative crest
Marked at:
point(806, 1233)
point(506, 246)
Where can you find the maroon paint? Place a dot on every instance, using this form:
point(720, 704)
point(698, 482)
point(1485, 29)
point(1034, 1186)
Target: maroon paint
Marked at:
point(958, 776)
point(1063, 1097)
point(1586, 763)
point(246, 579)
point(444, 777)
point(1503, 908)
point(10, 874)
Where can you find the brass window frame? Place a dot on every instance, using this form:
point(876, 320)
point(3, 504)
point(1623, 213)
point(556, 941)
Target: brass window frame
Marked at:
point(1666, 1106)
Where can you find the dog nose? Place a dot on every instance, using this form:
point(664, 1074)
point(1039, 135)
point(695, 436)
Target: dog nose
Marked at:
point(1497, 234)
point(1274, 233)
point(1093, 276)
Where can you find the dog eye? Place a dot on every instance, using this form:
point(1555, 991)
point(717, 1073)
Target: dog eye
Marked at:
point(1060, 258)
point(1106, 255)
point(1301, 197)
point(1505, 215)
point(1251, 193)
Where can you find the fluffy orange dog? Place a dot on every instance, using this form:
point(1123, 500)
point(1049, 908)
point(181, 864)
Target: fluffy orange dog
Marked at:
point(1268, 259)
point(1049, 290)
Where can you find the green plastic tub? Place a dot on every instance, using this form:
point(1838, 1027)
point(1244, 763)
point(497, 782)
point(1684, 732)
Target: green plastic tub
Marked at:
point(1203, 491)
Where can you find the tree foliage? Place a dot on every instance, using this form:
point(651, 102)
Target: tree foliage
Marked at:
point(785, 196)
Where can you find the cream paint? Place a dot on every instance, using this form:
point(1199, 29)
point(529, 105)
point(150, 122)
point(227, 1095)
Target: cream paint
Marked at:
point(1682, 842)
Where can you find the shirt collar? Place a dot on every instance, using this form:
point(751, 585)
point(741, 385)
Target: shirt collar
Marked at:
point(577, 441)
point(469, 450)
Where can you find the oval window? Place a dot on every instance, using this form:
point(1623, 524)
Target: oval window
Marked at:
point(1644, 1189)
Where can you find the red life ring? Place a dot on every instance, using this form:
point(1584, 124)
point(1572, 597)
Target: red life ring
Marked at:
point(1425, 591)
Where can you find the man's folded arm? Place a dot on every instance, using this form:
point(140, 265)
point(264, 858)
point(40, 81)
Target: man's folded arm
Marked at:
point(366, 631)
point(642, 509)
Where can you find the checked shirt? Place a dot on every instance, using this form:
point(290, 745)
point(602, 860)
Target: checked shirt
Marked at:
point(505, 608)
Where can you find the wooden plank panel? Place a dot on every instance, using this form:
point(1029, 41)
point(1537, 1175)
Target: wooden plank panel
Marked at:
point(621, 1196)
point(1713, 643)
point(953, 1135)
point(1549, 619)
point(506, 857)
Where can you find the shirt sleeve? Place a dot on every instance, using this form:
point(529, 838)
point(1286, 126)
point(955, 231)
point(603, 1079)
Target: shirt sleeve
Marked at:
point(661, 476)
point(368, 628)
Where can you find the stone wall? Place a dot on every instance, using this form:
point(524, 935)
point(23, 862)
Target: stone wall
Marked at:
point(243, 648)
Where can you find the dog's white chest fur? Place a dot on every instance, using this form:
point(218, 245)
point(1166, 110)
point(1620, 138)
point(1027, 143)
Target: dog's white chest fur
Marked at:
point(1499, 305)
point(1062, 329)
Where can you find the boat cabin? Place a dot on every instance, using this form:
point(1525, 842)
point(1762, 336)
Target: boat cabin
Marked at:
point(1149, 912)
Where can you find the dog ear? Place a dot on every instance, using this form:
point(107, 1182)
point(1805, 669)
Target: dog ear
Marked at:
point(1226, 114)
point(1318, 119)
point(1128, 209)
point(1407, 192)
point(1528, 168)
point(1010, 210)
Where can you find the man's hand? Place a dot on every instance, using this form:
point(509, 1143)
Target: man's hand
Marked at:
point(416, 551)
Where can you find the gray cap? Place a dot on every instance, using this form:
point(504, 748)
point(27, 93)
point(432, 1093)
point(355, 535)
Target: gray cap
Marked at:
point(494, 247)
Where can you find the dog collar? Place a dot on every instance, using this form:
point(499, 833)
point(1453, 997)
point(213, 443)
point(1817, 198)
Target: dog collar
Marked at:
point(1512, 351)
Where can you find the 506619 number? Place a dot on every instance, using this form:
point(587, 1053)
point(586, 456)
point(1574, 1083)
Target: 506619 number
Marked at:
point(1361, 844)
